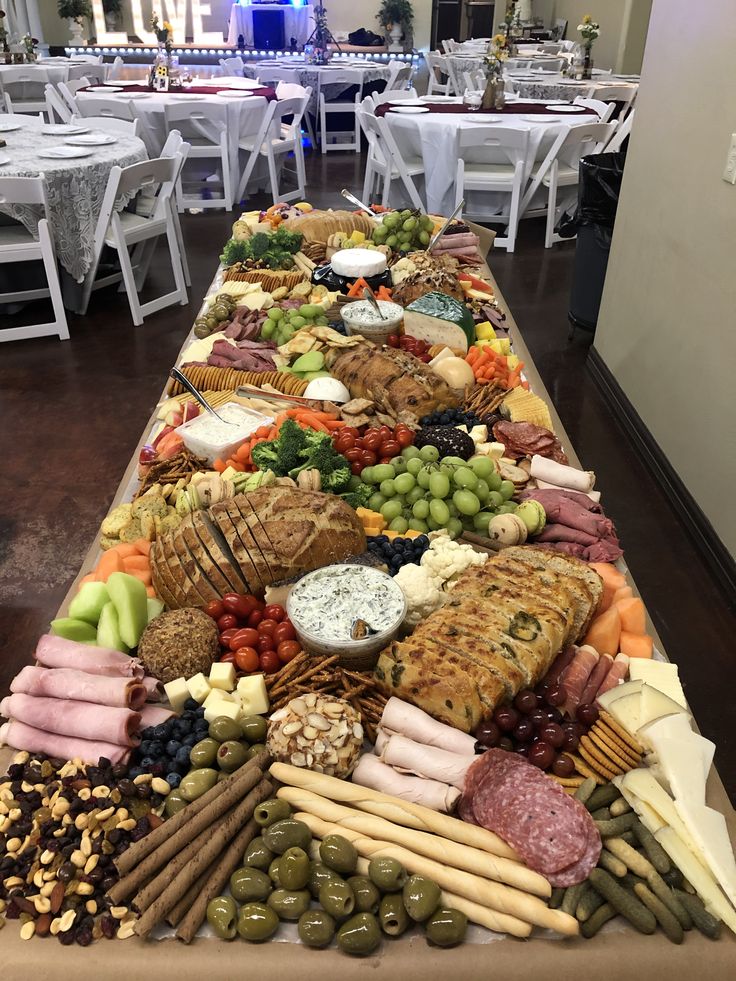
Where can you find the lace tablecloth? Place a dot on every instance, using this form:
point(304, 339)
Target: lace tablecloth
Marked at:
point(74, 188)
point(318, 76)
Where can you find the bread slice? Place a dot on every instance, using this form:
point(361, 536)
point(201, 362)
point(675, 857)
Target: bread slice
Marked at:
point(215, 577)
point(277, 561)
point(194, 570)
point(214, 542)
point(248, 539)
point(177, 582)
point(180, 565)
point(157, 577)
point(464, 634)
point(257, 576)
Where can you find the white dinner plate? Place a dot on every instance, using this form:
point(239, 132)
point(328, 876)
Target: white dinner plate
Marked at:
point(478, 118)
point(64, 153)
point(124, 83)
point(628, 78)
point(234, 93)
point(403, 102)
point(4, 159)
point(565, 108)
point(10, 127)
point(91, 139)
point(413, 110)
point(438, 98)
point(103, 88)
point(186, 96)
point(63, 129)
point(233, 83)
point(540, 118)
point(139, 95)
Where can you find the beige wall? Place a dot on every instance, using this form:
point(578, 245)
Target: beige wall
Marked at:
point(623, 27)
point(667, 327)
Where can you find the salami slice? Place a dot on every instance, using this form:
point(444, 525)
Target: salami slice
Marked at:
point(580, 870)
point(465, 810)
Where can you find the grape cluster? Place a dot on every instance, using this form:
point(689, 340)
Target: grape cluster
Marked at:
point(281, 325)
point(399, 552)
point(404, 230)
point(164, 749)
point(533, 726)
point(451, 417)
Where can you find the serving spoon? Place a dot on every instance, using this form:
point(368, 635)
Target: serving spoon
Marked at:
point(357, 202)
point(368, 295)
point(195, 392)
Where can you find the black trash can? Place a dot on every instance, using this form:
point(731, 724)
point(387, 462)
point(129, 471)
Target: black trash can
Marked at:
point(598, 193)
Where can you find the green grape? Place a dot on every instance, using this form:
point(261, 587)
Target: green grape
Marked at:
point(405, 483)
point(322, 322)
point(276, 314)
point(414, 495)
point(494, 481)
point(399, 524)
point(391, 509)
point(424, 238)
point(376, 501)
point(430, 454)
point(454, 513)
point(439, 511)
point(410, 453)
point(427, 223)
point(466, 502)
point(439, 485)
point(423, 478)
point(482, 466)
point(392, 241)
point(420, 509)
point(414, 465)
point(382, 471)
point(454, 527)
point(298, 322)
point(416, 524)
point(481, 520)
point(388, 488)
point(399, 464)
point(391, 220)
point(410, 224)
point(506, 490)
point(495, 500)
point(448, 471)
point(453, 461)
point(482, 491)
point(268, 329)
point(380, 234)
point(366, 475)
point(506, 509)
point(464, 477)
point(434, 525)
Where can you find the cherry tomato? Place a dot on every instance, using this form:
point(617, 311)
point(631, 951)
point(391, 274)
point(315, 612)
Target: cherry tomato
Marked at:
point(255, 618)
point(270, 662)
point(288, 650)
point(344, 441)
point(385, 459)
point(372, 440)
point(266, 643)
point(393, 340)
point(239, 606)
point(247, 637)
point(350, 429)
point(247, 659)
point(404, 438)
point(227, 635)
point(356, 468)
point(353, 455)
point(226, 622)
point(385, 432)
point(283, 632)
point(359, 443)
point(391, 448)
point(406, 341)
point(267, 626)
point(368, 458)
point(228, 657)
point(421, 347)
point(274, 611)
point(214, 609)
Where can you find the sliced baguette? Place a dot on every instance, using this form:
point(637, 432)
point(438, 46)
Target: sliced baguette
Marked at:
point(214, 574)
point(215, 543)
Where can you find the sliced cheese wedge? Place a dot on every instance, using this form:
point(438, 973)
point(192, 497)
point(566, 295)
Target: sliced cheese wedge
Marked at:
point(710, 832)
point(685, 764)
point(687, 861)
point(655, 704)
point(672, 726)
point(620, 691)
point(643, 784)
point(627, 711)
point(659, 674)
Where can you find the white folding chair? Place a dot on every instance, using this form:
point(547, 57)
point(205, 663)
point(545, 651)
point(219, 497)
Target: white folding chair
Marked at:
point(276, 138)
point(615, 93)
point(551, 47)
point(109, 124)
point(95, 73)
point(293, 90)
point(505, 178)
point(56, 107)
point(349, 78)
point(69, 90)
point(455, 84)
point(93, 105)
point(18, 245)
point(378, 98)
point(437, 67)
point(273, 75)
point(232, 66)
point(561, 168)
point(398, 72)
point(604, 109)
point(385, 163)
point(474, 80)
point(123, 230)
point(24, 89)
point(205, 128)
point(547, 64)
point(450, 45)
point(623, 129)
point(560, 28)
point(116, 69)
point(176, 145)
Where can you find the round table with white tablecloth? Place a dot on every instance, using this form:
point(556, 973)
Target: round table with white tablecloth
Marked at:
point(542, 85)
point(75, 187)
point(432, 136)
point(317, 77)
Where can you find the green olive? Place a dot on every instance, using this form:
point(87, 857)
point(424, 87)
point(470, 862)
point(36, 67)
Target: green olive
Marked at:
point(222, 916)
point(359, 935)
point(212, 322)
point(446, 927)
point(316, 928)
point(387, 873)
point(174, 803)
point(421, 897)
point(223, 729)
point(271, 811)
point(201, 331)
point(287, 834)
point(258, 855)
point(254, 728)
point(200, 322)
point(249, 885)
point(231, 755)
point(257, 922)
point(318, 875)
point(203, 753)
point(221, 311)
point(337, 898)
point(289, 904)
point(294, 868)
point(273, 872)
point(339, 854)
point(196, 783)
point(366, 895)
point(255, 750)
point(392, 916)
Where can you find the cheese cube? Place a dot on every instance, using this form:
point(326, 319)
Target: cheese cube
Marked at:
point(198, 687)
point(177, 693)
point(219, 703)
point(222, 675)
point(253, 695)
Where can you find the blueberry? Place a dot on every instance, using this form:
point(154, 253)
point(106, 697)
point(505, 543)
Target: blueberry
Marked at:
point(396, 562)
point(190, 740)
point(145, 747)
point(191, 705)
point(173, 779)
point(147, 733)
point(201, 725)
point(146, 762)
point(422, 540)
point(160, 732)
point(135, 771)
point(374, 547)
point(172, 747)
point(182, 755)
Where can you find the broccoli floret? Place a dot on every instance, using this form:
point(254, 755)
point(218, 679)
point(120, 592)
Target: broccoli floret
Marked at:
point(358, 497)
point(266, 456)
point(234, 251)
point(320, 453)
point(259, 244)
point(282, 454)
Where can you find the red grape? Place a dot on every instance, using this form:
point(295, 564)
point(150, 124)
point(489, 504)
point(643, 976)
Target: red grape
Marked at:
point(556, 695)
point(587, 714)
point(563, 766)
point(505, 743)
point(541, 754)
point(506, 718)
point(488, 733)
point(554, 715)
point(570, 742)
point(553, 734)
point(523, 731)
point(538, 717)
point(526, 701)
point(521, 750)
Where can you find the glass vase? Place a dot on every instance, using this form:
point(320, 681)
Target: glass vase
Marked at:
point(587, 65)
point(494, 96)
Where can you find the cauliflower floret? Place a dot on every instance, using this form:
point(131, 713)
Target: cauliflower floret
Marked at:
point(422, 591)
point(446, 559)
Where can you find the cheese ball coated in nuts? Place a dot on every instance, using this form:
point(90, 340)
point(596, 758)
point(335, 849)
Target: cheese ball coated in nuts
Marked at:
point(318, 732)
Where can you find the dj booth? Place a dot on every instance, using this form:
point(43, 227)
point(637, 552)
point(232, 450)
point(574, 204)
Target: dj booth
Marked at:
point(269, 26)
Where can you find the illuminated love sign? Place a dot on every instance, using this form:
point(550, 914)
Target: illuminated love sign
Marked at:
point(173, 11)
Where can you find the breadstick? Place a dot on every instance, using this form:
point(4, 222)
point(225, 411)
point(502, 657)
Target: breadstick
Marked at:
point(393, 809)
point(502, 899)
point(451, 853)
point(177, 913)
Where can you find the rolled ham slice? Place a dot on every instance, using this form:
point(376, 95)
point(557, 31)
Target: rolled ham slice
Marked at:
point(154, 689)
point(71, 718)
point(426, 761)
point(576, 677)
point(67, 683)
point(595, 680)
point(616, 674)
point(370, 772)
point(594, 495)
point(552, 678)
point(22, 736)
point(408, 720)
point(56, 652)
point(562, 475)
point(154, 715)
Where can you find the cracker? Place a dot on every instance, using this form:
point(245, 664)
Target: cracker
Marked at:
point(622, 734)
point(604, 768)
point(608, 744)
point(582, 767)
point(606, 759)
point(567, 781)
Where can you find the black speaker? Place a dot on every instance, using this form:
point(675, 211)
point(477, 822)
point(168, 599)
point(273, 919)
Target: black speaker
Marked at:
point(268, 29)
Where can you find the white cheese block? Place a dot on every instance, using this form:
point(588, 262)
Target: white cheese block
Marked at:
point(684, 758)
point(253, 695)
point(643, 784)
point(687, 861)
point(659, 674)
point(222, 675)
point(655, 704)
point(620, 691)
point(358, 262)
point(671, 726)
point(177, 693)
point(198, 687)
point(710, 833)
point(626, 711)
point(220, 708)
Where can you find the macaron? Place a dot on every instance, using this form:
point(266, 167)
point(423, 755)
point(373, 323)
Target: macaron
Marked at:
point(533, 515)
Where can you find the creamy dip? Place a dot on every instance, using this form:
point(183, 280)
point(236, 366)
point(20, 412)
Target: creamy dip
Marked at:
point(326, 603)
point(363, 313)
point(206, 435)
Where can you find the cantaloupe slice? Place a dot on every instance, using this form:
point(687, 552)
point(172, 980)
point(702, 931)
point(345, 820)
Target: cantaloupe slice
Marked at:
point(636, 645)
point(111, 561)
point(612, 580)
point(604, 632)
point(626, 592)
point(633, 615)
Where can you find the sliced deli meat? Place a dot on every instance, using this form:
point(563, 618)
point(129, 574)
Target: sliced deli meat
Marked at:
point(399, 716)
point(371, 772)
point(32, 740)
point(71, 718)
point(81, 686)
point(154, 715)
point(57, 652)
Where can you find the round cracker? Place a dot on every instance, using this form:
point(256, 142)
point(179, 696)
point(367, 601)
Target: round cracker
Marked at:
point(567, 781)
point(603, 755)
point(587, 771)
point(602, 767)
point(608, 743)
point(623, 734)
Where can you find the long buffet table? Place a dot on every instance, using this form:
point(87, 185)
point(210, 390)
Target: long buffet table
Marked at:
point(615, 952)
